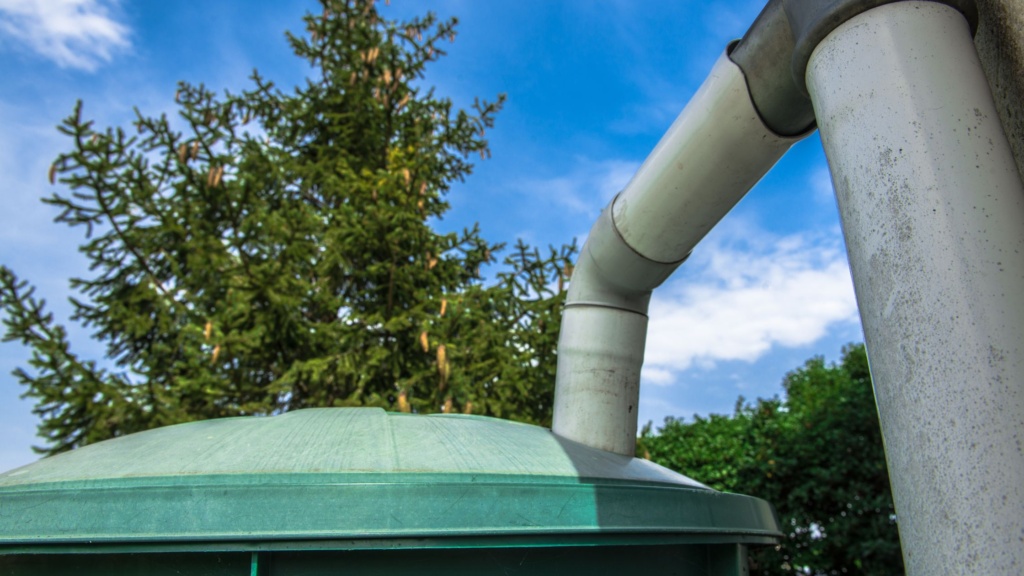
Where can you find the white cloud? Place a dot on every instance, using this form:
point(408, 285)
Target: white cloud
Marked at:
point(820, 182)
point(736, 301)
point(73, 33)
point(662, 102)
point(657, 376)
point(587, 188)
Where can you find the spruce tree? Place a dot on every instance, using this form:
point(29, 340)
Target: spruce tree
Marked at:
point(272, 250)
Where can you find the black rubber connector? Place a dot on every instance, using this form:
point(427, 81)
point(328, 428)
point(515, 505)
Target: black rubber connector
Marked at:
point(774, 53)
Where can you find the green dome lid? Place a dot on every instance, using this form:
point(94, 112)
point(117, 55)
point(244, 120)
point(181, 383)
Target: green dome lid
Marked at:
point(358, 473)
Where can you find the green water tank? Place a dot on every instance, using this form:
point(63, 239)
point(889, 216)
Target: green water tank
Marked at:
point(363, 491)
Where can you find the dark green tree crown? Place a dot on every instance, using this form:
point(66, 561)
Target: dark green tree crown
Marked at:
point(817, 456)
point(276, 253)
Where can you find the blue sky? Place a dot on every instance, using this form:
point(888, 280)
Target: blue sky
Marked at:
point(591, 84)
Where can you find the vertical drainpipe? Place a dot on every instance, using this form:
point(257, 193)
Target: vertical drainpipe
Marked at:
point(933, 213)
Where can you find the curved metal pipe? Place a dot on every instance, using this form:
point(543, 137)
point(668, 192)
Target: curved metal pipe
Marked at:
point(712, 155)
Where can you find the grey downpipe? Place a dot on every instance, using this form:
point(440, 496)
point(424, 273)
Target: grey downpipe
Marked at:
point(933, 214)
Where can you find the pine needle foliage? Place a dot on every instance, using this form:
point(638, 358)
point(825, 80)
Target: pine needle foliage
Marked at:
point(273, 250)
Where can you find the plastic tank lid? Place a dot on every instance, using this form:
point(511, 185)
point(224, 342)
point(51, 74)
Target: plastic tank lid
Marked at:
point(358, 473)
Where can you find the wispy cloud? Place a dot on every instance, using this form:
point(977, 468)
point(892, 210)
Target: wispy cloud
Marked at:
point(820, 182)
point(663, 101)
point(72, 33)
point(586, 188)
point(739, 298)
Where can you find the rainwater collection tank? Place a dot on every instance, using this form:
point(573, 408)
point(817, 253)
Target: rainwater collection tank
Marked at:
point(364, 491)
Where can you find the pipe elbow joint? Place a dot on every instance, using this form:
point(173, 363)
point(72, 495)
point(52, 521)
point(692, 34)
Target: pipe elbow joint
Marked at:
point(611, 274)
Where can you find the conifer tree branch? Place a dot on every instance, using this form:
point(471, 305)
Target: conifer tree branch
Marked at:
point(139, 258)
point(313, 276)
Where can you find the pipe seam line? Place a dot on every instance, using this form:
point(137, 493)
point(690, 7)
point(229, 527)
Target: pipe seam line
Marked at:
point(614, 274)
